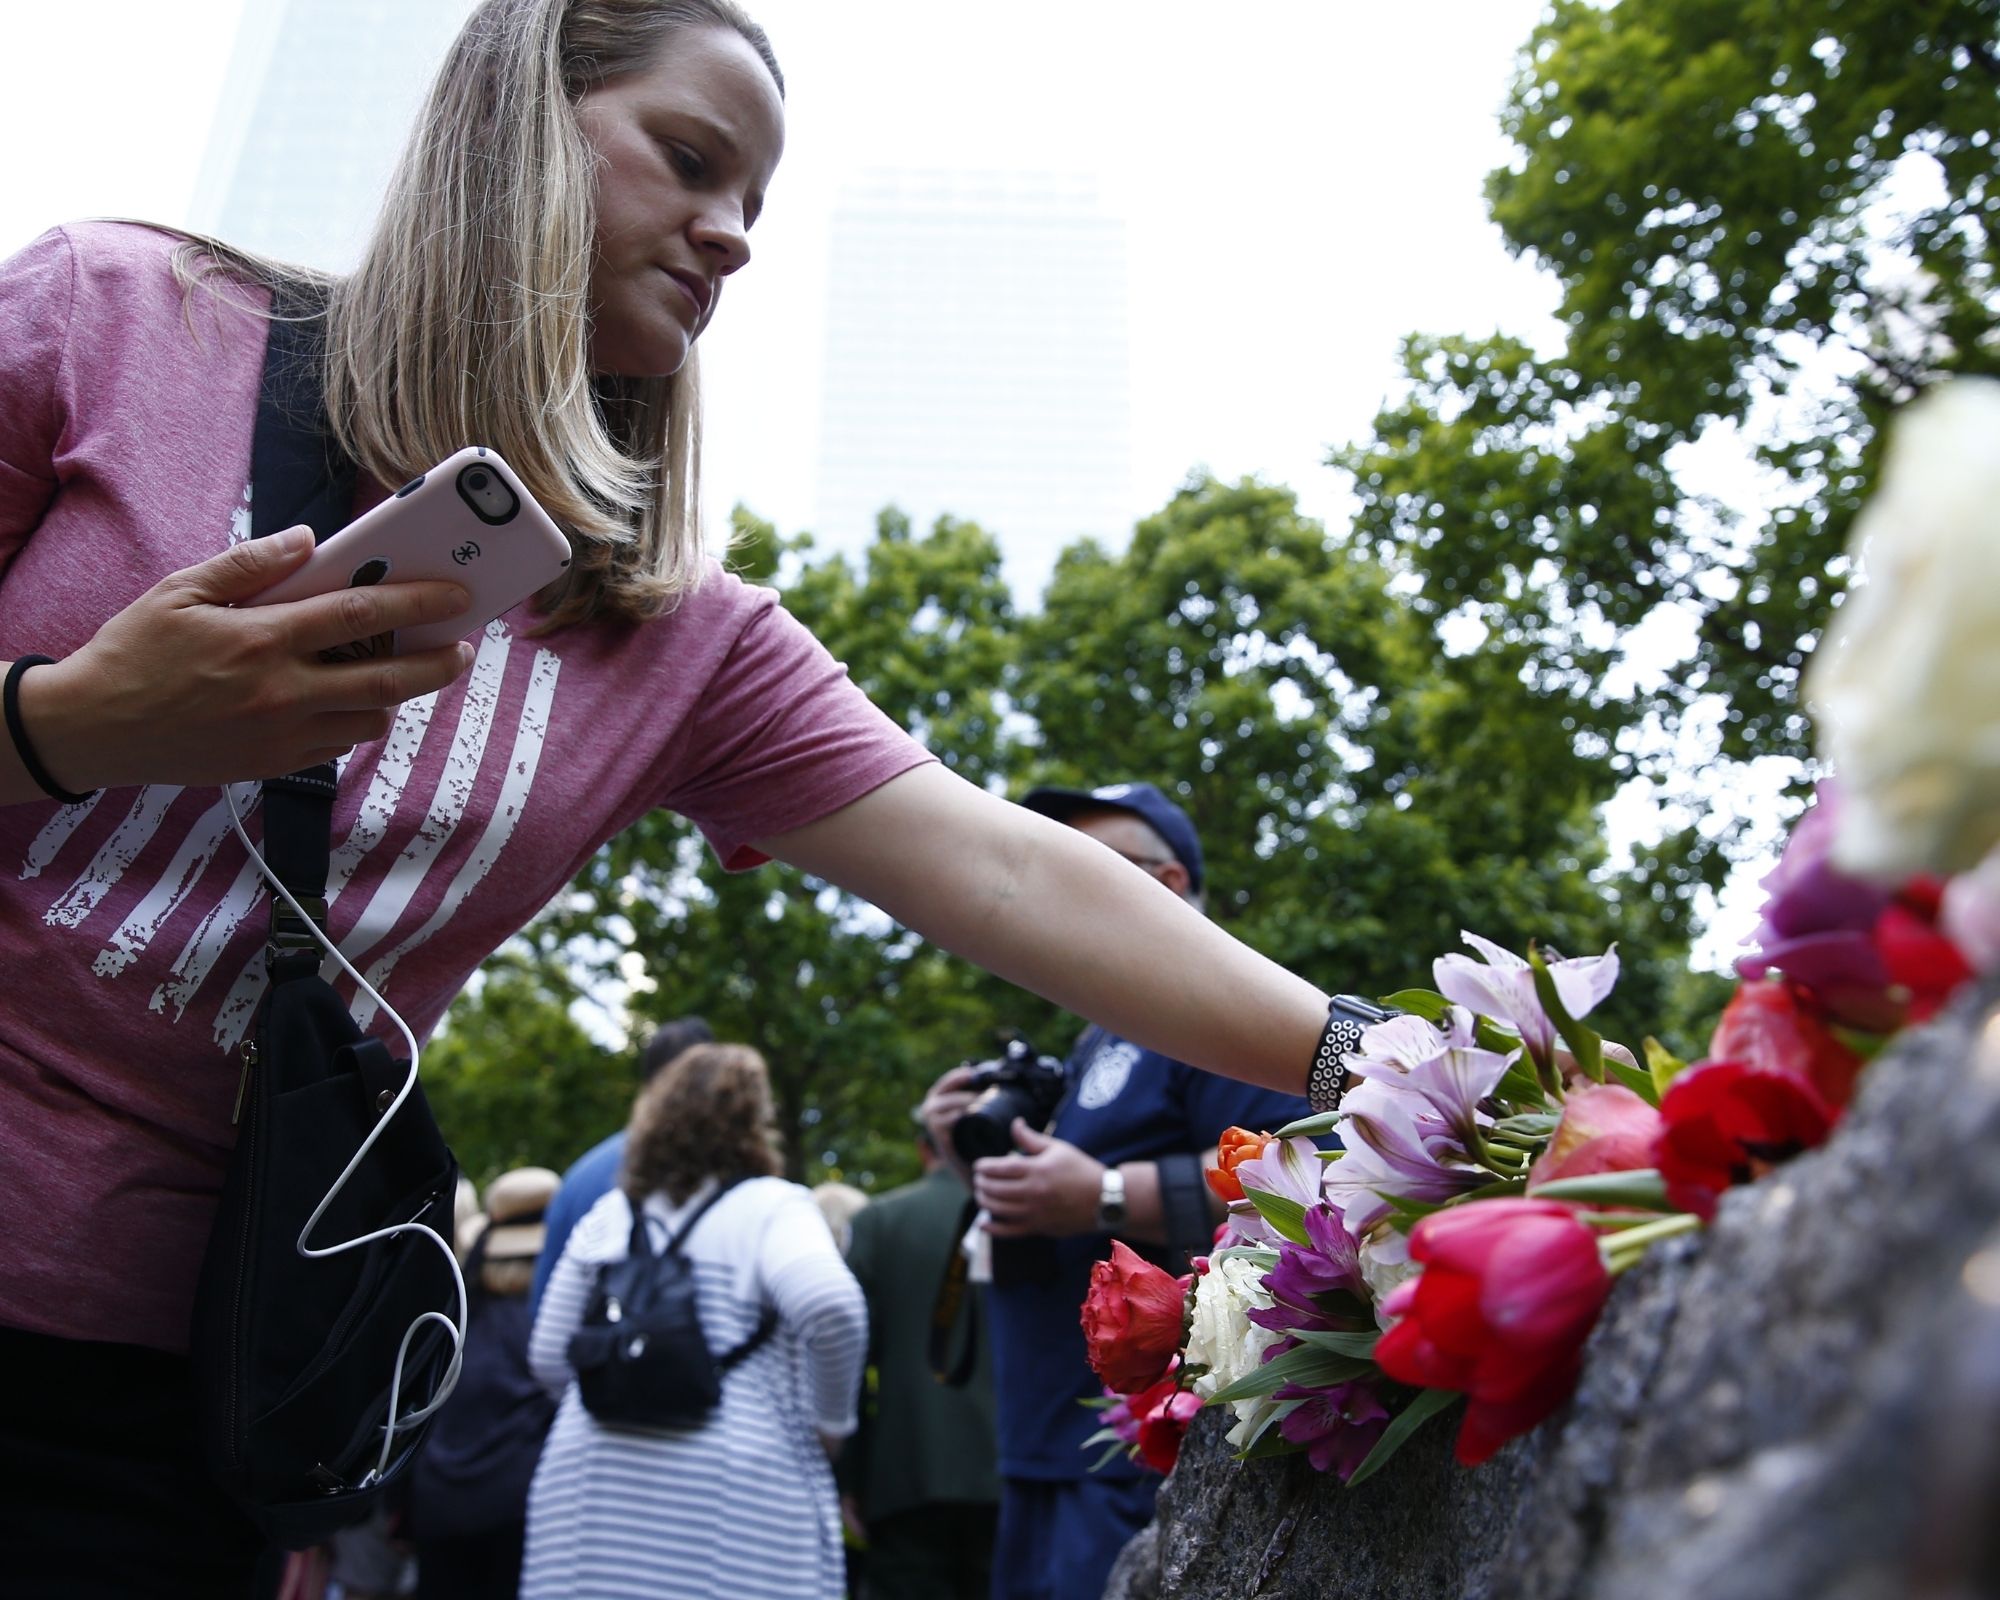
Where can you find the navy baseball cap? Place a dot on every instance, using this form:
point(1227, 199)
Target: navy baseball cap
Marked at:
point(1143, 801)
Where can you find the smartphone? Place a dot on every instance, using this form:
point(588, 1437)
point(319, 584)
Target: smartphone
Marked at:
point(468, 520)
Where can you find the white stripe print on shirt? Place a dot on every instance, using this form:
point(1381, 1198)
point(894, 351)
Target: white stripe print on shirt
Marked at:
point(189, 874)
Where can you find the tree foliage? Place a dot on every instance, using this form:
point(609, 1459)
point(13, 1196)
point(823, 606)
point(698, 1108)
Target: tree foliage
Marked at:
point(1772, 219)
point(1770, 222)
point(1361, 797)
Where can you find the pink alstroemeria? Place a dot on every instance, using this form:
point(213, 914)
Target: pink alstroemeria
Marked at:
point(1503, 987)
point(1395, 1145)
point(1290, 1168)
point(1440, 1063)
point(1605, 1127)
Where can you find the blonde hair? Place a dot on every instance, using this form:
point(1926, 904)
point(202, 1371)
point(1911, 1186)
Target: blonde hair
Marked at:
point(706, 1114)
point(467, 320)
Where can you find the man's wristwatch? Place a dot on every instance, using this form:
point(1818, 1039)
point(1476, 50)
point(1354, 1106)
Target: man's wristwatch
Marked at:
point(1111, 1200)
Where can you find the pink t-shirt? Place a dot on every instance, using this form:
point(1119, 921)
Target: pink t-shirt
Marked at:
point(131, 926)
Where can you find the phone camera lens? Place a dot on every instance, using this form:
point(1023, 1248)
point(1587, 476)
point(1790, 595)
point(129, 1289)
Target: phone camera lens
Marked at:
point(475, 481)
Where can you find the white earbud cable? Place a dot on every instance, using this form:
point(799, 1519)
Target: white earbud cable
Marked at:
point(456, 1329)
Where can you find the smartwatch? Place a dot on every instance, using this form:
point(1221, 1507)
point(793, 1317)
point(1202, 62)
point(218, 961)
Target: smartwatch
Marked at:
point(1111, 1200)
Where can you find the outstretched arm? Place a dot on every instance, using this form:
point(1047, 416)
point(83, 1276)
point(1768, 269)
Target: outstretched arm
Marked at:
point(1053, 910)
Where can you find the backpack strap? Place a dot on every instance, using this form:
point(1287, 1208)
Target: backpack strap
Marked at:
point(642, 1245)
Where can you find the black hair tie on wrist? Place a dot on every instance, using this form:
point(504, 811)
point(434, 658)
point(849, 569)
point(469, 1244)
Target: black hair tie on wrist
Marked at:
point(10, 702)
point(1347, 1015)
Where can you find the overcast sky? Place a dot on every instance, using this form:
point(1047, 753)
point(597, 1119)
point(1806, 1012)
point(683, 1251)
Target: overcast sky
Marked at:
point(1300, 180)
point(1300, 184)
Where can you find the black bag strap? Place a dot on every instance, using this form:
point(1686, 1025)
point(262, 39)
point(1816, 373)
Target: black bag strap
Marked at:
point(945, 1308)
point(642, 1240)
point(297, 474)
point(642, 1245)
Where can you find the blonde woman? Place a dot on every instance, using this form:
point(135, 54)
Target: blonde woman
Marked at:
point(743, 1506)
point(581, 186)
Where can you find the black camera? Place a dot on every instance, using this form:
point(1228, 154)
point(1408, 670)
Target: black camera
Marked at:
point(1019, 1084)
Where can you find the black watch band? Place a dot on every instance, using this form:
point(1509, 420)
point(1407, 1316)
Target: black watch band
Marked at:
point(1347, 1015)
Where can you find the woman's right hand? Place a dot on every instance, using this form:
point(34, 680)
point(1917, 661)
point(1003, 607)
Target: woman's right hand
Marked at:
point(186, 686)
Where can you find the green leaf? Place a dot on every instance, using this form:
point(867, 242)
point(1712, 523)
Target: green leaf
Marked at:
point(1528, 1125)
point(1281, 1211)
point(1268, 1444)
point(1426, 1404)
point(1258, 1255)
point(1425, 1003)
point(1642, 1190)
point(1313, 1127)
point(1267, 1414)
point(1432, 1007)
point(1664, 1066)
point(1413, 1211)
point(1309, 1367)
point(1358, 1346)
point(1643, 1084)
point(1583, 1044)
point(1518, 1085)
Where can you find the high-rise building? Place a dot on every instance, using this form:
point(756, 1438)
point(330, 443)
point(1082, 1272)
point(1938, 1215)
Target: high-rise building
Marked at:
point(318, 99)
point(977, 362)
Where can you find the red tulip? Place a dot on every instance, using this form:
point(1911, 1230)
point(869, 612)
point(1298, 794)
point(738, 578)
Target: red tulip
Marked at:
point(1920, 959)
point(1727, 1122)
point(1605, 1127)
point(1774, 1026)
point(1132, 1319)
point(1509, 1291)
point(1164, 1412)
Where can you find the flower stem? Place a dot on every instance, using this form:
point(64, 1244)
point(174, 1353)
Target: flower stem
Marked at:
point(1623, 1250)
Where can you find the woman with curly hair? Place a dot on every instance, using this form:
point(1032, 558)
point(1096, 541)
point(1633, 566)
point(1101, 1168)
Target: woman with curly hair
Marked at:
point(742, 1505)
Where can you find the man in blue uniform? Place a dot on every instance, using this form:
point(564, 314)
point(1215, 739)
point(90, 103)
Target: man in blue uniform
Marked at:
point(1122, 1159)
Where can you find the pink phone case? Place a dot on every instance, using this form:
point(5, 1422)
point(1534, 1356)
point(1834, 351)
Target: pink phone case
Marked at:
point(469, 520)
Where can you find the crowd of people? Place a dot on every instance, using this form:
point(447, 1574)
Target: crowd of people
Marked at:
point(842, 1457)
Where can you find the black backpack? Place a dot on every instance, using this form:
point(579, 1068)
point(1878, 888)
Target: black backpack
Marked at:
point(294, 1356)
point(640, 1356)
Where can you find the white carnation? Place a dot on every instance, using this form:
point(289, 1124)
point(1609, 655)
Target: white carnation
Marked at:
point(1221, 1336)
point(1906, 683)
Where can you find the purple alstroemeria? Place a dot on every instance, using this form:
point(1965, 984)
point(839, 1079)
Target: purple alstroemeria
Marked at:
point(1338, 1426)
point(1818, 924)
point(1393, 1146)
point(1330, 1264)
point(1290, 1168)
point(1503, 987)
point(1118, 1416)
point(1441, 1063)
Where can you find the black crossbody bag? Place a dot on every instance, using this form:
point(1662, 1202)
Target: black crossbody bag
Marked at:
point(294, 1356)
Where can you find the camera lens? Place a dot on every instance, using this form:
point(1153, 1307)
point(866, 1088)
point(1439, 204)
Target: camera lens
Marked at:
point(475, 481)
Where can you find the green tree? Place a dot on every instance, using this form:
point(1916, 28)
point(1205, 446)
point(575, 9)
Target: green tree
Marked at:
point(854, 1015)
point(1771, 218)
point(515, 1079)
point(1362, 794)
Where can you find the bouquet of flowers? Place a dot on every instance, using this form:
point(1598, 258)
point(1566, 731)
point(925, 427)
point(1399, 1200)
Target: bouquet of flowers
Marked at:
point(1501, 1165)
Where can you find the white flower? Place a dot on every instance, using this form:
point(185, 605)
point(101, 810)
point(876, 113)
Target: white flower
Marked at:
point(1906, 684)
point(1386, 1265)
point(1221, 1335)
